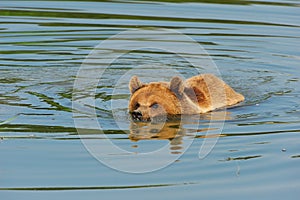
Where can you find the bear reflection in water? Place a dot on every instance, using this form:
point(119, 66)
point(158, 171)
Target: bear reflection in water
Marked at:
point(171, 131)
point(176, 130)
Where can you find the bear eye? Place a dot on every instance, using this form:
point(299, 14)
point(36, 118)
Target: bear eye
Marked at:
point(155, 105)
point(136, 106)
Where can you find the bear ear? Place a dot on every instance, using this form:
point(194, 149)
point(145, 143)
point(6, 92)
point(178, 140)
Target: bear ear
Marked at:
point(176, 85)
point(135, 84)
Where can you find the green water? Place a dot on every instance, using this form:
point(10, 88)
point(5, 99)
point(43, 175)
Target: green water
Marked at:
point(254, 44)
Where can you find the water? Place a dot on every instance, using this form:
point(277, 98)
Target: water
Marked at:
point(255, 45)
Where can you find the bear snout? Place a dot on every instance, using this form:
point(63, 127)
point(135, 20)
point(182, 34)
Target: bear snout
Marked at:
point(137, 115)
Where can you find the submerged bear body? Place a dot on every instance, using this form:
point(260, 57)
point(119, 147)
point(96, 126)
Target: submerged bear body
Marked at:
point(196, 95)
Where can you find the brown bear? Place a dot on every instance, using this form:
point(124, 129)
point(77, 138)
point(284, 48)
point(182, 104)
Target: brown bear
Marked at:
point(196, 95)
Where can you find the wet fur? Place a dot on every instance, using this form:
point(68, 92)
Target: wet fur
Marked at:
point(198, 94)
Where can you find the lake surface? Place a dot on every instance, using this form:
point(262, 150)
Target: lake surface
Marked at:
point(255, 46)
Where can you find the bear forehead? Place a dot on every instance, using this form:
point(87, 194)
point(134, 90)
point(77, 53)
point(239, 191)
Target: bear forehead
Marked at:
point(164, 85)
point(154, 89)
point(154, 92)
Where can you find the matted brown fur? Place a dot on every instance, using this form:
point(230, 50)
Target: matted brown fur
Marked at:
point(198, 94)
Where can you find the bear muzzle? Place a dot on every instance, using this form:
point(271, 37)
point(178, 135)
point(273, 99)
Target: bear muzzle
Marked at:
point(137, 115)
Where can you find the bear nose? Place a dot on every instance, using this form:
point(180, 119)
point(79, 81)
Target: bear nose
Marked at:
point(137, 115)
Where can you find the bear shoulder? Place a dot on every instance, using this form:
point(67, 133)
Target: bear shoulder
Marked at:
point(212, 92)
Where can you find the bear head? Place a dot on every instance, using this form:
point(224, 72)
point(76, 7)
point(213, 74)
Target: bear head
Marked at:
point(155, 100)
